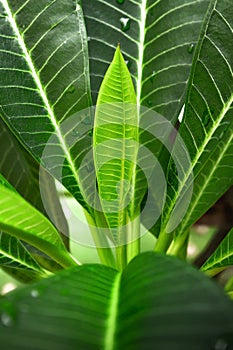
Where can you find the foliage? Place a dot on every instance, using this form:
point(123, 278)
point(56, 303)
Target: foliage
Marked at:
point(91, 95)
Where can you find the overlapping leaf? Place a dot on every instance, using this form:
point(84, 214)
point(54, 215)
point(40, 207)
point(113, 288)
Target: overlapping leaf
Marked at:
point(157, 39)
point(22, 172)
point(223, 255)
point(19, 219)
point(157, 302)
point(207, 129)
point(44, 78)
point(15, 256)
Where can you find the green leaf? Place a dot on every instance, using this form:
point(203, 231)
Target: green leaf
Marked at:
point(21, 170)
point(44, 78)
point(115, 143)
point(157, 302)
point(222, 257)
point(207, 128)
point(15, 256)
point(19, 219)
point(157, 39)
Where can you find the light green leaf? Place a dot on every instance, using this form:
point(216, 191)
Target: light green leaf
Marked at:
point(157, 39)
point(44, 78)
point(21, 170)
point(15, 256)
point(19, 219)
point(157, 302)
point(207, 128)
point(115, 143)
point(222, 257)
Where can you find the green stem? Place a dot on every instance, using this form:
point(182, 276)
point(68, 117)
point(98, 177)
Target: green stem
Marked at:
point(105, 254)
point(163, 242)
point(133, 247)
point(121, 257)
point(178, 243)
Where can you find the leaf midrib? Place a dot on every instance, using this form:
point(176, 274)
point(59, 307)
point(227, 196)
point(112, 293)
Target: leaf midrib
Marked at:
point(142, 31)
point(111, 323)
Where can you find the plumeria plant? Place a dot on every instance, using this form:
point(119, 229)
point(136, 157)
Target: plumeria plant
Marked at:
point(128, 105)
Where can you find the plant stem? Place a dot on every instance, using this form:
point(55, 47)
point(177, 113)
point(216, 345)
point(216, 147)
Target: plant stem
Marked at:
point(163, 242)
point(133, 247)
point(178, 243)
point(121, 257)
point(105, 254)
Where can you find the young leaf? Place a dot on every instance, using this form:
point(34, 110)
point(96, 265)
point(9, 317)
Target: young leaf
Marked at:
point(115, 143)
point(158, 302)
point(222, 257)
point(19, 219)
point(44, 77)
point(207, 128)
point(157, 39)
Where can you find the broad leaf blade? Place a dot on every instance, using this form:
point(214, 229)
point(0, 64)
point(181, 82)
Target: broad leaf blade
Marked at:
point(157, 302)
point(115, 141)
point(20, 219)
point(207, 128)
point(222, 257)
point(157, 39)
point(44, 77)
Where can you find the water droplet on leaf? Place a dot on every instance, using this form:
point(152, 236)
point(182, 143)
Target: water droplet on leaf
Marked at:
point(221, 135)
point(90, 167)
point(191, 48)
point(86, 120)
point(152, 76)
point(8, 314)
point(125, 23)
point(120, 2)
point(206, 118)
point(34, 293)
point(75, 133)
point(71, 89)
point(221, 344)
point(149, 103)
point(7, 320)
point(90, 132)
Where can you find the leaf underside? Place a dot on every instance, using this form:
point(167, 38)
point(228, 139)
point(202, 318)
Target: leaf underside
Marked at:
point(223, 255)
point(157, 39)
point(44, 80)
point(207, 128)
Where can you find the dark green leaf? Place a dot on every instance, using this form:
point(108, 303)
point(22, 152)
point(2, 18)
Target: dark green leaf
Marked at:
point(207, 128)
point(157, 39)
point(44, 78)
point(222, 257)
point(158, 302)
